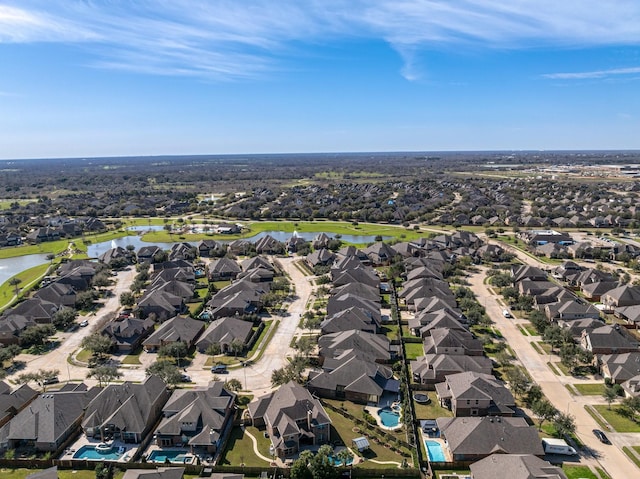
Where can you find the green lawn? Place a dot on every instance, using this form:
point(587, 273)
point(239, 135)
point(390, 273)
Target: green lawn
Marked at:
point(593, 389)
point(617, 421)
point(554, 369)
point(413, 350)
point(240, 448)
point(28, 278)
point(432, 410)
point(578, 472)
point(631, 455)
point(343, 429)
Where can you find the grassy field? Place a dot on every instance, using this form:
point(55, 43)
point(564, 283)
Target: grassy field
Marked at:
point(414, 350)
point(332, 227)
point(594, 389)
point(578, 472)
point(240, 448)
point(432, 410)
point(27, 278)
point(617, 421)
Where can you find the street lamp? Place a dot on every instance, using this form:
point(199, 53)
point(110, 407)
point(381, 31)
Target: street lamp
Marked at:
point(244, 369)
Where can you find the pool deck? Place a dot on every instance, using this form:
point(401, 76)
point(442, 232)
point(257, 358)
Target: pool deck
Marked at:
point(443, 444)
point(129, 450)
point(373, 410)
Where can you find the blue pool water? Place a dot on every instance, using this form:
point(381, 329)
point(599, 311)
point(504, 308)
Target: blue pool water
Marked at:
point(90, 453)
point(334, 461)
point(389, 417)
point(176, 457)
point(434, 449)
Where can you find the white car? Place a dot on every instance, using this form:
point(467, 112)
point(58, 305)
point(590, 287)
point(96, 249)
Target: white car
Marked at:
point(506, 313)
point(84, 323)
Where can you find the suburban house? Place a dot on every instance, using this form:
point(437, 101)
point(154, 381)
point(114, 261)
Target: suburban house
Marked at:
point(148, 254)
point(160, 304)
point(474, 438)
point(224, 269)
point(452, 341)
point(619, 367)
point(14, 401)
point(49, 422)
point(367, 346)
point(570, 310)
point(58, 293)
point(380, 253)
point(35, 309)
point(625, 295)
point(160, 473)
point(126, 411)
point(183, 251)
point(475, 394)
point(608, 339)
point(292, 417)
point(434, 368)
point(631, 314)
point(177, 329)
point(320, 257)
point(226, 332)
point(11, 327)
point(127, 334)
point(349, 319)
point(196, 418)
point(354, 380)
point(209, 248)
point(269, 245)
point(515, 466)
point(631, 387)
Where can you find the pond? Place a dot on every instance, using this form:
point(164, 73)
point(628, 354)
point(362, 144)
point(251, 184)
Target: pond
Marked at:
point(11, 266)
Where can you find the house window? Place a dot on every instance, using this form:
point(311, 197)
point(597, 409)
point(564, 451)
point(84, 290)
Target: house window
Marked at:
point(468, 401)
point(474, 412)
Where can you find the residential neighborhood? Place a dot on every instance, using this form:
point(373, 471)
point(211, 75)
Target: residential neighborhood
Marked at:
point(444, 345)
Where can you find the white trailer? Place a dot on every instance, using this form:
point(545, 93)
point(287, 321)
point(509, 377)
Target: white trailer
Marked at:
point(557, 446)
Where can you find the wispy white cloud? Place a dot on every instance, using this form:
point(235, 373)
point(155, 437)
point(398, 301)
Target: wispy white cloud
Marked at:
point(593, 74)
point(228, 39)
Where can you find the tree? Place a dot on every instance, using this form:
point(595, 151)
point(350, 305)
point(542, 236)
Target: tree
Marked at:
point(127, 299)
point(104, 374)
point(233, 385)
point(300, 467)
point(15, 281)
point(609, 395)
point(101, 280)
point(214, 349)
point(344, 456)
point(175, 350)
point(544, 411)
point(534, 394)
point(237, 345)
point(7, 353)
point(64, 317)
point(564, 423)
point(98, 344)
point(518, 381)
point(85, 299)
point(37, 335)
point(165, 369)
point(42, 376)
point(553, 335)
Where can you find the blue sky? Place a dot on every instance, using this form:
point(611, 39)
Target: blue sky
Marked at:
point(118, 77)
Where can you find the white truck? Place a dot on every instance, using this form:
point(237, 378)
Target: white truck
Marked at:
point(557, 446)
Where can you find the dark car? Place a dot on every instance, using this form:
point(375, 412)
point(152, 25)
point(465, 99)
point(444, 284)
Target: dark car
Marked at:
point(219, 368)
point(601, 436)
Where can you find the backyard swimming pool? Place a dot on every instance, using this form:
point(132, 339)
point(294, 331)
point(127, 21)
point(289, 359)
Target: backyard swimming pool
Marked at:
point(434, 449)
point(174, 457)
point(389, 417)
point(92, 454)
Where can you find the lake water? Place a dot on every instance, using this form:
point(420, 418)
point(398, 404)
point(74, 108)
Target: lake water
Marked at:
point(11, 266)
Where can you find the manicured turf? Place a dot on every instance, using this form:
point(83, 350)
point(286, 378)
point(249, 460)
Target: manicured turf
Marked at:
point(578, 472)
point(617, 421)
point(414, 350)
point(595, 389)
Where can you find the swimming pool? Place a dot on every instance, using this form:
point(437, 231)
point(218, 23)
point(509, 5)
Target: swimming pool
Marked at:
point(335, 461)
point(175, 457)
point(90, 453)
point(434, 449)
point(389, 417)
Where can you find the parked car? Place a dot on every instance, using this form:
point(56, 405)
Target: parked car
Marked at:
point(601, 436)
point(185, 378)
point(219, 369)
point(506, 313)
point(52, 380)
point(84, 323)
